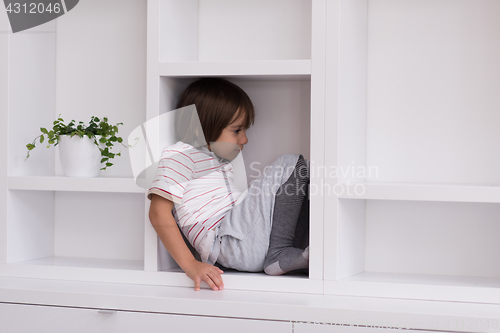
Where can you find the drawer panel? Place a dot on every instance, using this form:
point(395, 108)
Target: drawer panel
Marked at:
point(19, 318)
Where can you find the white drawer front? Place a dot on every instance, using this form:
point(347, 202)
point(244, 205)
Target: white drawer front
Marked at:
point(17, 318)
point(132, 322)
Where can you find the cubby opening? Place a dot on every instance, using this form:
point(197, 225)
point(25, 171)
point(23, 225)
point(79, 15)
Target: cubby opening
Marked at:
point(432, 83)
point(225, 30)
point(282, 125)
point(415, 170)
point(47, 79)
point(441, 238)
point(76, 229)
point(419, 244)
point(417, 93)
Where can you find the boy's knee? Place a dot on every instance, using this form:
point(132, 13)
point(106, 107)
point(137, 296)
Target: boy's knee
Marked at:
point(286, 160)
point(285, 164)
point(295, 161)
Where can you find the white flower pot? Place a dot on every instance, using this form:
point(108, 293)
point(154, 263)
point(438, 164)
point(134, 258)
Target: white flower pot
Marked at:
point(80, 157)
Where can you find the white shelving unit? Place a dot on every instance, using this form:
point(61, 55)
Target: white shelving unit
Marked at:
point(98, 229)
point(279, 62)
point(394, 102)
point(57, 227)
point(413, 110)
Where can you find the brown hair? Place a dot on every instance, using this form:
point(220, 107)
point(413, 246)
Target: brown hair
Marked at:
point(217, 101)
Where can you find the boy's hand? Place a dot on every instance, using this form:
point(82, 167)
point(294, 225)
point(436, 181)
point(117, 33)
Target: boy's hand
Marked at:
point(200, 271)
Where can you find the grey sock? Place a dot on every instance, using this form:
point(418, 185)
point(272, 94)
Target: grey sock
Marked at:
point(282, 256)
point(292, 260)
point(301, 239)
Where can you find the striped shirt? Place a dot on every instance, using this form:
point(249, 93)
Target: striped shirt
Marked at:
point(201, 185)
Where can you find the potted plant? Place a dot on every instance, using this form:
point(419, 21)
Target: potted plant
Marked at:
point(84, 150)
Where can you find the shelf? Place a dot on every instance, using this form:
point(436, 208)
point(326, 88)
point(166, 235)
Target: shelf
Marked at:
point(276, 70)
point(418, 286)
point(132, 271)
point(86, 263)
point(234, 280)
point(419, 192)
point(256, 275)
point(229, 30)
point(98, 184)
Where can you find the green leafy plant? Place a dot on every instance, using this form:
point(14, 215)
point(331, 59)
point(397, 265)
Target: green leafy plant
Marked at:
point(97, 127)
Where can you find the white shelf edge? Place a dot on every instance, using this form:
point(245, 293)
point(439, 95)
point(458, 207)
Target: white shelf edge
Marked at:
point(121, 264)
point(278, 69)
point(55, 183)
point(417, 287)
point(419, 192)
point(232, 280)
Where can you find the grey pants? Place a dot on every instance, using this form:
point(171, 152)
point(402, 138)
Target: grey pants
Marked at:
point(245, 230)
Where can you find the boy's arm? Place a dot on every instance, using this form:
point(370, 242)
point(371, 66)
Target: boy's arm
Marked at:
point(160, 215)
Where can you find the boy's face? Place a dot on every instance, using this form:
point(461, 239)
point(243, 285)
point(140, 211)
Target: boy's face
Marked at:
point(231, 141)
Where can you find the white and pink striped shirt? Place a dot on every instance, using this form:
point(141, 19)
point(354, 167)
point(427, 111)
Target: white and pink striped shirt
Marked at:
point(201, 185)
